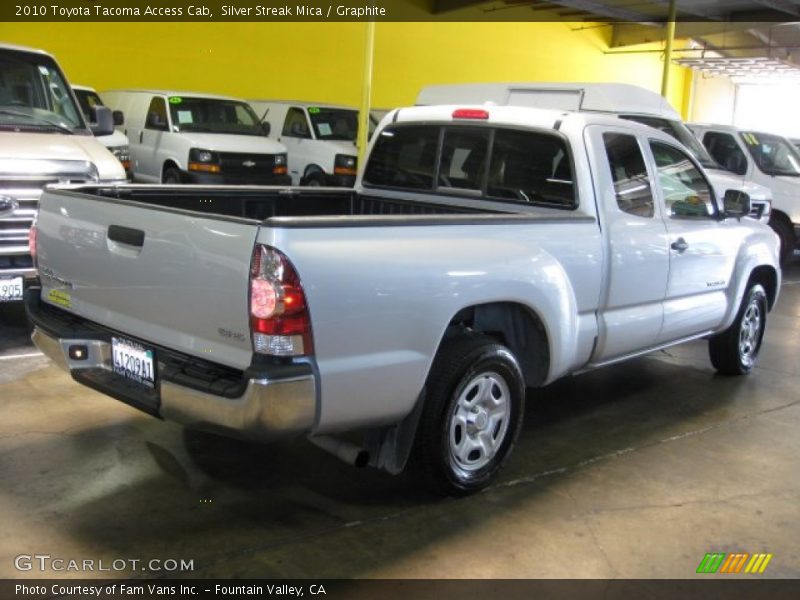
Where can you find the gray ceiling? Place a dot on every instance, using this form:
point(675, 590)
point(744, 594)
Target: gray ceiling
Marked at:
point(738, 29)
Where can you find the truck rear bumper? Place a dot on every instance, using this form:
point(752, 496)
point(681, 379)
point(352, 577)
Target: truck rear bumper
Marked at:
point(269, 408)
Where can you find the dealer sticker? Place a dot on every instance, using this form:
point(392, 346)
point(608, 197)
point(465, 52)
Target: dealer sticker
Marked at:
point(60, 298)
point(175, 99)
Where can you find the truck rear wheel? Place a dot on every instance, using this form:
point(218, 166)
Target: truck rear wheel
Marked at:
point(475, 399)
point(735, 350)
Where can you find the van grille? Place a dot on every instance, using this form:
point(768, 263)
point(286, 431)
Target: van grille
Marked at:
point(250, 168)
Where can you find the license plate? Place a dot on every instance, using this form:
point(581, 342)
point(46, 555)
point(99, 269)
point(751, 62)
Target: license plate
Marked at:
point(10, 289)
point(133, 361)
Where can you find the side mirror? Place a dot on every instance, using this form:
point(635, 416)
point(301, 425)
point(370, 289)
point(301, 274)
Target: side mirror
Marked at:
point(119, 118)
point(265, 127)
point(737, 204)
point(102, 121)
point(155, 121)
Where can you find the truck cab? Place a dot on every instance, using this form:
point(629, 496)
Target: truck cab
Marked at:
point(44, 138)
point(772, 161)
point(190, 137)
point(629, 102)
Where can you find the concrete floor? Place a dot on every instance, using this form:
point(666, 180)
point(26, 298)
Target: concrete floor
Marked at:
point(634, 471)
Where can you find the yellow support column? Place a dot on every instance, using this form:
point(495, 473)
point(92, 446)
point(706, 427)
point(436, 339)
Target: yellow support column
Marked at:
point(366, 94)
point(673, 10)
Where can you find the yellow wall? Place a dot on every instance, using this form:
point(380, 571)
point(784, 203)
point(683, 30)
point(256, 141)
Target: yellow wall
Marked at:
point(322, 61)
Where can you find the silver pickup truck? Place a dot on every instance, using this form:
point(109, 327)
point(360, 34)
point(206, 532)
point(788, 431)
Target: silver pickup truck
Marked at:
point(485, 250)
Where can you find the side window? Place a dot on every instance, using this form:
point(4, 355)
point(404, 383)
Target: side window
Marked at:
point(685, 189)
point(629, 174)
point(463, 161)
point(403, 157)
point(157, 115)
point(724, 149)
point(531, 167)
point(296, 124)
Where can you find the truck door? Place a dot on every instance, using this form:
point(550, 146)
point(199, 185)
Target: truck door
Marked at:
point(631, 309)
point(702, 248)
point(151, 138)
point(296, 136)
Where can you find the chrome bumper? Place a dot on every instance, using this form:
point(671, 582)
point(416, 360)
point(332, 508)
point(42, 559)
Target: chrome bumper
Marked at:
point(267, 410)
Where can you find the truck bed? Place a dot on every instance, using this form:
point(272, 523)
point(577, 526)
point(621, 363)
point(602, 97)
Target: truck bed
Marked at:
point(265, 203)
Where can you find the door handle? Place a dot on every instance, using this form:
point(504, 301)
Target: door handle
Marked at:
point(126, 235)
point(141, 134)
point(680, 245)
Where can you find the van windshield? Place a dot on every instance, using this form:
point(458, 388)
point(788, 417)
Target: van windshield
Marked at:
point(681, 133)
point(212, 115)
point(34, 96)
point(772, 154)
point(334, 123)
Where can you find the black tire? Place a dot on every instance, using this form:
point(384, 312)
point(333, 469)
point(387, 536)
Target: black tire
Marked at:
point(785, 232)
point(735, 350)
point(461, 364)
point(172, 176)
point(315, 179)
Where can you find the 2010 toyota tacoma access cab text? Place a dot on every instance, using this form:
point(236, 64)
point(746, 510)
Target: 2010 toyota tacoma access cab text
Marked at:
point(484, 250)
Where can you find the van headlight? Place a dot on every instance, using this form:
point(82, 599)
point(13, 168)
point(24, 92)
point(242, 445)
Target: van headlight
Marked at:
point(204, 160)
point(122, 153)
point(344, 164)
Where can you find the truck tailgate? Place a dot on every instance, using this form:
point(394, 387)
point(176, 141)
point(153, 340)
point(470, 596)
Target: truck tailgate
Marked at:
point(174, 278)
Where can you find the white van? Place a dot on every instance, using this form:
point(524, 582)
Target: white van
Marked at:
point(190, 137)
point(320, 139)
point(44, 138)
point(772, 161)
point(116, 142)
point(626, 101)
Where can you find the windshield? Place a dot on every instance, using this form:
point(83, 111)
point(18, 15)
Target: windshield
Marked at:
point(681, 133)
point(211, 115)
point(87, 99)
point(34, 96)
point(334, 123)
point(772, 154)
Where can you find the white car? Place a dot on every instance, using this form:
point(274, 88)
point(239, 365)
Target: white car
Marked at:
point(320, 139)
point(116, 142)
point(190, 137)
point(768, 159)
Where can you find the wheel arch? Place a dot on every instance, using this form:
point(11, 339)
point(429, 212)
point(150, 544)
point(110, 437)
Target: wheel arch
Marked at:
point(514, 325)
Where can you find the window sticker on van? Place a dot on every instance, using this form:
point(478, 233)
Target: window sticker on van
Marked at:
point(185, 116)
point(175, 99)
point(313, 110)
point(324, 129)
point(750, 139)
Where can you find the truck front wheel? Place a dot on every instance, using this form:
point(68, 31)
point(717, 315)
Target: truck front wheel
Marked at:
point(735, 350)
point(475, 399)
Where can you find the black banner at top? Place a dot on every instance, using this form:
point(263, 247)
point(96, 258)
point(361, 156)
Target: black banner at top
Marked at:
point(276, 11)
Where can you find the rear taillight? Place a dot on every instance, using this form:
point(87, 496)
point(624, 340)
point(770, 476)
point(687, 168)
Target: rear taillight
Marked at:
point(470, 113)
point(32, 242)
point(279, 319)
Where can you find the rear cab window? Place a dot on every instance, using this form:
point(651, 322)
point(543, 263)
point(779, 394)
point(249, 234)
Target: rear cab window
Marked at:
point(490, 162)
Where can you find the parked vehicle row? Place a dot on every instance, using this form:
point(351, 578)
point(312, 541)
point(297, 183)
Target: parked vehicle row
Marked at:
point(484, 250)
point(768, 159)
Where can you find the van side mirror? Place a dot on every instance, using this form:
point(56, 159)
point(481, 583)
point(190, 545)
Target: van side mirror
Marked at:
point(298, 130)
point(155, 121)
point(119, 118)
point(102, 121)
point(265, 127)
point(736, 204)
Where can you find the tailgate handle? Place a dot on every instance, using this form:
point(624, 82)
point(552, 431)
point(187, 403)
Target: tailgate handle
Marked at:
point(126, 235)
